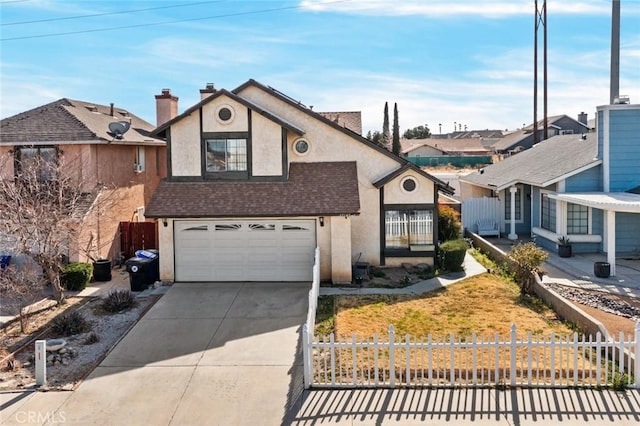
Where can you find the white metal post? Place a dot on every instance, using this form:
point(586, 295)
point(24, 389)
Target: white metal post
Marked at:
point(305, 356)
point(636, 359)
point(41, 362)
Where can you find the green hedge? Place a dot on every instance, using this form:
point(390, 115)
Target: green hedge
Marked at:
point(76, 276)
point(452, 254)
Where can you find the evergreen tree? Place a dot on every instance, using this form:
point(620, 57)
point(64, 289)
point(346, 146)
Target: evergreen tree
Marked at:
point(386, 135)
point(375, 137)
point(396, 131)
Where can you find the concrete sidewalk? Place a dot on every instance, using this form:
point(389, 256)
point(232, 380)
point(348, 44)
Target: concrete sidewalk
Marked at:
point(467, 406)
point(471, 268)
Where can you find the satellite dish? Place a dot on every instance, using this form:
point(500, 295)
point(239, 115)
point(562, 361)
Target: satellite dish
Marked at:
point(118, 128)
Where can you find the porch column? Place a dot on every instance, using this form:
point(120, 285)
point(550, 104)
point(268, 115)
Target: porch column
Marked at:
point(611, 240)
point(340, 249)
point(512, 235)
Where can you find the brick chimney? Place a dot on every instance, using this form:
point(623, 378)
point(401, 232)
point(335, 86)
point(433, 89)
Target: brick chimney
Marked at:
point(207, 91)
point(166, 107)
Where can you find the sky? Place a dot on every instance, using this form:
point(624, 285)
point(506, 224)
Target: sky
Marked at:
point(468, 62)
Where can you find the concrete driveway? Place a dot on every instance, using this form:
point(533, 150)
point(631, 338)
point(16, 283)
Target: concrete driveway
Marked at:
point(214, 354)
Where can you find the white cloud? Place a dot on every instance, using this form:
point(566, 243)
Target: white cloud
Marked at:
point(461, 8)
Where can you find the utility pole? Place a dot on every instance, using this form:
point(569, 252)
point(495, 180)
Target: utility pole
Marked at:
point(614, 84)
point(540, 18)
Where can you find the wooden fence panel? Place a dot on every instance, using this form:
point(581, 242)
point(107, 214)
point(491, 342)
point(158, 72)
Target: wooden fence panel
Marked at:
point(137, 236)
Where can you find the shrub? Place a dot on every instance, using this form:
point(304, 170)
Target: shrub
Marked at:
point(118, 301)
point(527, 257)
point(76, 276)
point(91, 339)
point(70, 323)
point(449, 225)
point(452, 254)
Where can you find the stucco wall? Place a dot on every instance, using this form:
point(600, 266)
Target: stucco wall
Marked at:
point(266, 147)
point(186, 152)
point(123, 191)
point(238, 123)
point(468, 190)
point(423, 194)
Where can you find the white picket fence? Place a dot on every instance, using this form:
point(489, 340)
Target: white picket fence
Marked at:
point(555, 361)
point(310, 324)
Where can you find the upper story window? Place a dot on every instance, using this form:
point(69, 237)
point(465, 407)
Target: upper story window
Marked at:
point(226, 154)
point(37, 163)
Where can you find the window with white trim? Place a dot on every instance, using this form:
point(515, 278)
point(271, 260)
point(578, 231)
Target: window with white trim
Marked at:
point(577, 219)
point(507, 204)
point(547, 213)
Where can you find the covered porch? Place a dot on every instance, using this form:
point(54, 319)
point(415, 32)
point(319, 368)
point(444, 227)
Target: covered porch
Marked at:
point(610, 203)
point(580, 269)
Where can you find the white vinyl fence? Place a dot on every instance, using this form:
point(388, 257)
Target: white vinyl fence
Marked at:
point(411, 362)
point(310, 324)
point(474, 209)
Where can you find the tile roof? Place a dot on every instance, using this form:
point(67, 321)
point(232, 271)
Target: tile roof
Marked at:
point(352, 120)
point(313, 189)
point(453, 146)
point(68, 120)
point(541, 165)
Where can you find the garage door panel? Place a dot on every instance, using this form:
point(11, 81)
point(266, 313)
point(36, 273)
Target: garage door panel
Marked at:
point(244, 250)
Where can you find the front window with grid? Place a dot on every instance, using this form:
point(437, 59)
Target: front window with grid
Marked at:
point(226, 155)
point(548, 213)
point(408, 229)
point(577, 219)
point(507, 205)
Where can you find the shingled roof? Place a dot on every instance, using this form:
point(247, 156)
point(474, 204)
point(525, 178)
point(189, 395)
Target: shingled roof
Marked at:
point(544, 164)
point(313, 189)
point(68, 120)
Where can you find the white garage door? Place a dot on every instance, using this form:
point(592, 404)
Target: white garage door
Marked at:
point(244, 250)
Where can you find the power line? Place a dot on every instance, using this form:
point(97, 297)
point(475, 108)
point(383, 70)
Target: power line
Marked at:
point(228, 15)
point(107, 13)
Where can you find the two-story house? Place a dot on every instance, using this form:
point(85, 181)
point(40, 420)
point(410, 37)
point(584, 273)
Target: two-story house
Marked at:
point(256, 181)
point(107, 149)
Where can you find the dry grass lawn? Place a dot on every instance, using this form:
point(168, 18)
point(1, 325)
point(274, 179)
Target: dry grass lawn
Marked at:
point(485, 304)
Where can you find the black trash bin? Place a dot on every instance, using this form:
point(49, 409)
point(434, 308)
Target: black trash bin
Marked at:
point(139, 275)
point(153, 256)
point(602, 269)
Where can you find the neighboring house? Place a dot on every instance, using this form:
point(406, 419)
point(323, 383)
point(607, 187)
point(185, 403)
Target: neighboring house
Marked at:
point(557, 125)
point(584, 187)
point(465, 152)
point(433, 147)
point(119, 167)
point(257, 181)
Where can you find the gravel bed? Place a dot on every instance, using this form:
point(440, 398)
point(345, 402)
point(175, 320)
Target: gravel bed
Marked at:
point(611, 304)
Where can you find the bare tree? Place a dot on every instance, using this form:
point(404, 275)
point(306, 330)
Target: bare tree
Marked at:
point(41, 209)
point(20, 286)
